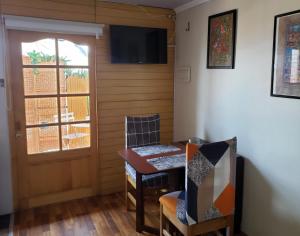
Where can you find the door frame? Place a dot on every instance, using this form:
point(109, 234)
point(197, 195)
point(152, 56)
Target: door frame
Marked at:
point(14, 38)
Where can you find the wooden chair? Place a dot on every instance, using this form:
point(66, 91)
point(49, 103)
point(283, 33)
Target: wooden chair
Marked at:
point(139, 132)
point(207, 204)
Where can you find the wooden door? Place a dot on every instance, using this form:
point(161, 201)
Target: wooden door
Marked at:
point(53, 92)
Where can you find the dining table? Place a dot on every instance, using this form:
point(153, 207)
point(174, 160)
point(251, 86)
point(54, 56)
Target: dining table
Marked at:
point(152, 163)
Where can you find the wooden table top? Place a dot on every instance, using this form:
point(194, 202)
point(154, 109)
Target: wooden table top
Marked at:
point(140, 163)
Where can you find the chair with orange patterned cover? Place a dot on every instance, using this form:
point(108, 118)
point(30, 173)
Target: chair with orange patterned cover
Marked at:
point(208, 202)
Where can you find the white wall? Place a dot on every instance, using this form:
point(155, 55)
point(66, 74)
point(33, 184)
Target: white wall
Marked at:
point(220, 104)
point(6, 200)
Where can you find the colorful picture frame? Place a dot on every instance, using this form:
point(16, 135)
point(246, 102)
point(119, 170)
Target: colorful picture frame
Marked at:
point(221, 40)
point(286, 56)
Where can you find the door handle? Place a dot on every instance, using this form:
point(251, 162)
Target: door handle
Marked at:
point(19, 134)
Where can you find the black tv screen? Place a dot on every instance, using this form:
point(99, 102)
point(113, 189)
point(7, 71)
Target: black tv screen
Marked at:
point(137, 45)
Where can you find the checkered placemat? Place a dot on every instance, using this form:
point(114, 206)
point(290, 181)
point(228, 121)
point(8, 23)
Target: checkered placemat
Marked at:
point(155, 149)
point(168, 162)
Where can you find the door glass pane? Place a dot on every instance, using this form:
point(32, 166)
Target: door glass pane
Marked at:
point(72, 54)
point(75, 108)
point(40, 52)
point(74, 81)
point(43, 139)
point(41, 111)
point(39, 81)
point(75, 136)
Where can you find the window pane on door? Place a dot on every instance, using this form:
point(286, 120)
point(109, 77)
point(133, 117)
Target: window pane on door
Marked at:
point(42, 139)
point(75, 108)
point(75, 136)
point(56, 83)
point(41, 111)
point(40, 52)
point(39, 81)
point(72, 54)
point(74, 81)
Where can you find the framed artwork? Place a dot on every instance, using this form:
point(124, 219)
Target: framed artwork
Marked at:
point(286, 56)
point(221, 40)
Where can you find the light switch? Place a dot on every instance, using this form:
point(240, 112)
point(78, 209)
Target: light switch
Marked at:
point(183, 74)
point(2, 83)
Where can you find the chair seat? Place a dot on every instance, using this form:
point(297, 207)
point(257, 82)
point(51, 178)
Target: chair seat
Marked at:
point(175, 202)
point(174, 210)
point(151, 181)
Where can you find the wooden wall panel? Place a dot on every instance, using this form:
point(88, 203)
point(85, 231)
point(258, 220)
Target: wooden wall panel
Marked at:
point(121, 89)
point(130, 89)
point(113, 13)
point(76, 10)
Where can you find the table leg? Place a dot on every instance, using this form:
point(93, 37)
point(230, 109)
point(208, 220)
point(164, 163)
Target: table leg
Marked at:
point(181, 179)
point(139, 203)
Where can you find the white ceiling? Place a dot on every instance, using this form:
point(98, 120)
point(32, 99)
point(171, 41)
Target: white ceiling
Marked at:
point(172, 4)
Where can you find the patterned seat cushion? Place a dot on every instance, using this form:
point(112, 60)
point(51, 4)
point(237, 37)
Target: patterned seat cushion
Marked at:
point(150, 181)
point(175, 202)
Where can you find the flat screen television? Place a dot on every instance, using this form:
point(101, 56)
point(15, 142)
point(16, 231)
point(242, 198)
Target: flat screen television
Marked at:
point(137, 45)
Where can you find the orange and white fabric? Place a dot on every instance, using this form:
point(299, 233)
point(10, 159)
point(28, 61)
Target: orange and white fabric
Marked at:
point(210, 183)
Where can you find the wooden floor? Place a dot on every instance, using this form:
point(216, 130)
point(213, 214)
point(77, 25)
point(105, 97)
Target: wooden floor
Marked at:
point(91, 216)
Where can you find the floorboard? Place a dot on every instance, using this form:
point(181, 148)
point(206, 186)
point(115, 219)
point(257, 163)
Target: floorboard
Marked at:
point(101, 215)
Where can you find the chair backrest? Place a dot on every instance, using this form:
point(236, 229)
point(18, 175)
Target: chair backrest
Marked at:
point(210, 181)
point(142, 131)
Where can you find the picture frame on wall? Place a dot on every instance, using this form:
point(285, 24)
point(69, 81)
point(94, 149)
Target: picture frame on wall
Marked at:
point(286, 56)
point(221, 40)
